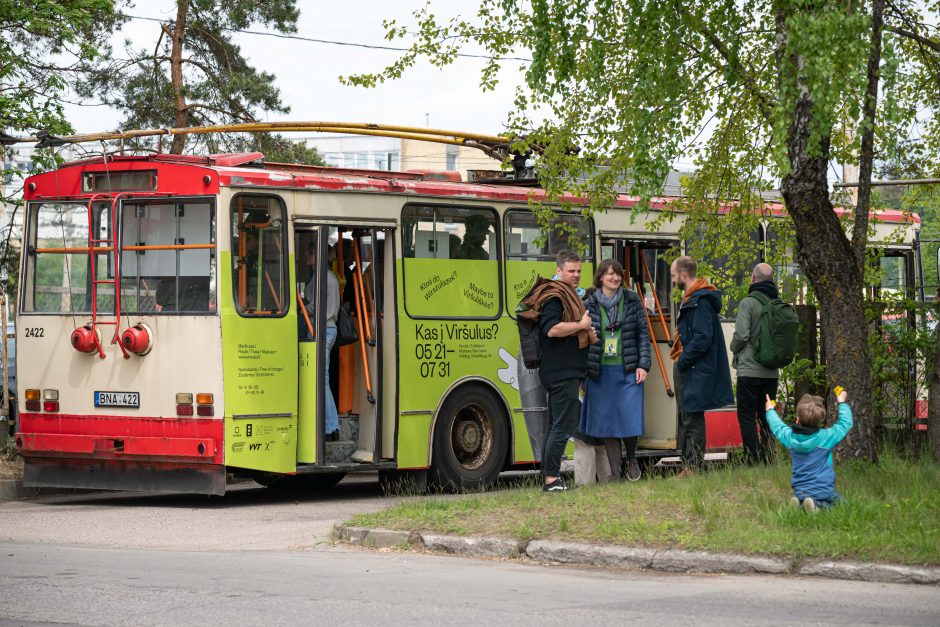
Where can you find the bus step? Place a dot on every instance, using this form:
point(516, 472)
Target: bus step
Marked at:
point(340, 451)
point(349, 427)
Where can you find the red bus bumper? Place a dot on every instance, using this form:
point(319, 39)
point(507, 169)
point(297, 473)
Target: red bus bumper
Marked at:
point(122, 453)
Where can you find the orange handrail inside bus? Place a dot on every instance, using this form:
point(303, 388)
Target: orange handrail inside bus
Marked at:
point(361, 292)
point(659, 309)
point(300, 303)
point(277, 301)
point(360, 315)
point(659, 358)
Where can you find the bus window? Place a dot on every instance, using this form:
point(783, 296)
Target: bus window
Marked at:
point(529, 255)
point(787, 274)
point(57, 263)
point(743, 258)
point(524, 241)
point(178, 278)
point(259, 264)
point(450, 262)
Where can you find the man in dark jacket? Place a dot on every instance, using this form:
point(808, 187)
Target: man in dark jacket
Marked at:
point(755, 381)
point(701, 373)
point(563, 365)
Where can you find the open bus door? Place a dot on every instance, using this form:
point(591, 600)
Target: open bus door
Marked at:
point(647, 273)
point(346, 266)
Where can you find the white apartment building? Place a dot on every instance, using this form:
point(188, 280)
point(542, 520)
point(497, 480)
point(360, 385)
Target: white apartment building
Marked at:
point(392, 153)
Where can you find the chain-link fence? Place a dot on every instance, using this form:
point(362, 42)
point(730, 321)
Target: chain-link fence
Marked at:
point(62, 300)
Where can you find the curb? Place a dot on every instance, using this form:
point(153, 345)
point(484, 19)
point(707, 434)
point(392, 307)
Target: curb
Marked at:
point(664, 560)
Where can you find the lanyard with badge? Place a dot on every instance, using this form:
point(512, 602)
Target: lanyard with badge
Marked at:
point(612, 335)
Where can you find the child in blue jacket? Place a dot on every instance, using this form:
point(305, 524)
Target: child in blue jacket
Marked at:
point(813, 480)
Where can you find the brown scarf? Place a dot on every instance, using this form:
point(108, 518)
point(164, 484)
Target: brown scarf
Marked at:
point(700, 284)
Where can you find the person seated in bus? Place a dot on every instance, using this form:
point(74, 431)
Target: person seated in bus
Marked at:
point(477, 227)
point(193, 294)
point(616, 367)
point(813, 479)
point(331, 420)
point(454, 246)
point(165, 298)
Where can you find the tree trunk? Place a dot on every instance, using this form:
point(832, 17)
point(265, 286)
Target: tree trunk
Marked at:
point(867, 148)
point(176, 75)
point(829, 263)
point(807, 348)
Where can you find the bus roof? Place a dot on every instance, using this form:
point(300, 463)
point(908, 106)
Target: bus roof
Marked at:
point(249, 170)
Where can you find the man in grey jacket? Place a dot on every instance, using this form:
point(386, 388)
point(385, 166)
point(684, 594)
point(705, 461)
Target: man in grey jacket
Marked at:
point(754, 380)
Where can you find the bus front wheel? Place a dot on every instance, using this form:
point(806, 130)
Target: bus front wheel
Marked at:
point(471, 440)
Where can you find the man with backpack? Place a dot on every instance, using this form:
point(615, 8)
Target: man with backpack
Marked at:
point(764, 341)
point(564, 333)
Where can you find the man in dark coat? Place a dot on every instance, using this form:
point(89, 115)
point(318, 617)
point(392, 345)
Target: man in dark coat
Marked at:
point(701, 373)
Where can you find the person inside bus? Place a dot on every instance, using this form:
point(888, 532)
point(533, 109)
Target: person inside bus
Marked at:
point(477, 228)
point(331, 420)
point(616, 368)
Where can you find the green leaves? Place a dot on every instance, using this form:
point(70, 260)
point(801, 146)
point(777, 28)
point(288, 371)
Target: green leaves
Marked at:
point(218, 84)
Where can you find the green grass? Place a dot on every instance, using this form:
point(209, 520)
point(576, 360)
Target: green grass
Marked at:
point(891, 513)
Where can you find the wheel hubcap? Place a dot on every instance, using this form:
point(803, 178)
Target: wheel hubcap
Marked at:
point(472, 437)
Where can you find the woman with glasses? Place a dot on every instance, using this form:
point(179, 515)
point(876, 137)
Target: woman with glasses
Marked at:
point(617, 367)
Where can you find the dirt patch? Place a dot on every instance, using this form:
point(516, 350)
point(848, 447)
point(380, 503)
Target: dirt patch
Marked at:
point(11, 469)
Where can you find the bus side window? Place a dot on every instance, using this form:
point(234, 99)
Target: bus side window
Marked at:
point(451, 261)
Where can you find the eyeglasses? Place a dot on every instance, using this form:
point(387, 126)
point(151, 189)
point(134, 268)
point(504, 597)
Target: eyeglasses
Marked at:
point(613, 326)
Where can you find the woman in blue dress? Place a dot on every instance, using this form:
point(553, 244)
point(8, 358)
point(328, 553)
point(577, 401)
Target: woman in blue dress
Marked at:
point(617, 367)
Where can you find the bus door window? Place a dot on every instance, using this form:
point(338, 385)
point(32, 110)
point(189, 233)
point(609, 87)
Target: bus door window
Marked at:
point(780, 254)
point(168, 256)
point(56, 277)
point(306, 258)
point(259, 264)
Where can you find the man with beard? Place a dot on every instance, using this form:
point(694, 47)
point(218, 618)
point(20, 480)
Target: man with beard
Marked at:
point(701, 373)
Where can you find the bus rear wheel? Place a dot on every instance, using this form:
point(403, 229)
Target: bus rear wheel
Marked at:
point(471, 441)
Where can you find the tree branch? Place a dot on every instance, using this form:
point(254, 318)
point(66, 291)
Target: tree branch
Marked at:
point(925, 41)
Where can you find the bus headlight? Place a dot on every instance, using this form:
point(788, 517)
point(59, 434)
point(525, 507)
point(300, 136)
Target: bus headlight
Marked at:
point(138, 339)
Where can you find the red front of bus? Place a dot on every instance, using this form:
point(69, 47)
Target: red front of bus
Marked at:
point(119, 356)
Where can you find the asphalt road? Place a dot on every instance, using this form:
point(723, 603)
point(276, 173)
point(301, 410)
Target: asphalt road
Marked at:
point(45, 584)
point(258, 557)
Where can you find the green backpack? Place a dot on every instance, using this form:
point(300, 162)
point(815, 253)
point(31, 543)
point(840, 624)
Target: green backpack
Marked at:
point(779, 330)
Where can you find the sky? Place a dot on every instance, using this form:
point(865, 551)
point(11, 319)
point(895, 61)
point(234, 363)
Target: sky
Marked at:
point(307, 73)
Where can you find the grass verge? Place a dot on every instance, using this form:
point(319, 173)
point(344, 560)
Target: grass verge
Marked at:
point(890, 514)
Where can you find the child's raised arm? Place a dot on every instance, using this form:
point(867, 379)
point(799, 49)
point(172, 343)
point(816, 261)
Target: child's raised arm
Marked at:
point(781, 431)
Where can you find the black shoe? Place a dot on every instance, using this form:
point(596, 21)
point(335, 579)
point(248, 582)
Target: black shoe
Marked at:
point(633, 471)
point(332, 437)
point(558, 485)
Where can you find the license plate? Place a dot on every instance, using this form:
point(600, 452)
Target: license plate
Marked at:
point(117, 399)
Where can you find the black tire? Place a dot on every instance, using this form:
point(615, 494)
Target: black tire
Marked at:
point(471, 440)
